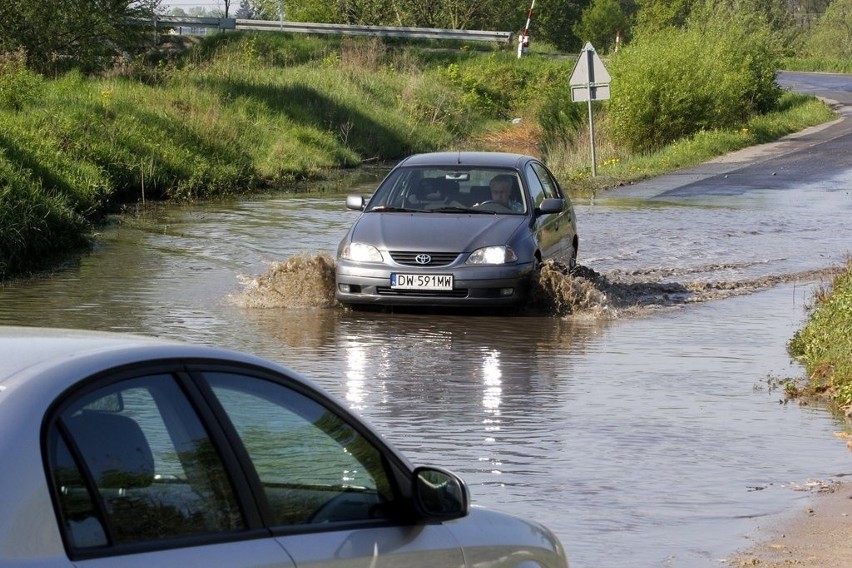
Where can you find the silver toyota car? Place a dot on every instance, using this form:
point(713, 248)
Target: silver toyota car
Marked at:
point(455, 229)
point(120, 451)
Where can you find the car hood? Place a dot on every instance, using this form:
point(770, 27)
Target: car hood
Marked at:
point(435, 232)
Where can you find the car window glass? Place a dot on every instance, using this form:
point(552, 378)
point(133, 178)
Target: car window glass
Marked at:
point(314, 466)
point(152, 467)
point(551, 188)
point(536, 189)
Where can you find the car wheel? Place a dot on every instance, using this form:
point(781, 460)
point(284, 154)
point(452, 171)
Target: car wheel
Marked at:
point(537, 264)
point(572, 262)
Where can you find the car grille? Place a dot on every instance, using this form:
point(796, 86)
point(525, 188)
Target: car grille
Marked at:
point(386, 291)
point(436, 258)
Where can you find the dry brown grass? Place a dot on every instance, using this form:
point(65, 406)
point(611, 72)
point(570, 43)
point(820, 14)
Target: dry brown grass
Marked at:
point(521, 138)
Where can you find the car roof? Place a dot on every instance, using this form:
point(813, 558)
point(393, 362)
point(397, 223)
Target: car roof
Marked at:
point(487, 159)
point(26, 351)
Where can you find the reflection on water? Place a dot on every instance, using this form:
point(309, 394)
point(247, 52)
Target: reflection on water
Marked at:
point(634, 424)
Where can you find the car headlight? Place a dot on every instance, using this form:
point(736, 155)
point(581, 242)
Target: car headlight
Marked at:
point(493, 255)
point(361, 252)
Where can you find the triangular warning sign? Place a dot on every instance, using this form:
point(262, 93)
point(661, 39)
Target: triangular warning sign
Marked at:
point(589, 68)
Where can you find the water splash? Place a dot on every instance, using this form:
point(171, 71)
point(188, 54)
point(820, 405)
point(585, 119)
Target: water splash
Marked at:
point(307, 281)
point(302, 281)
point(581, 291)
point(559, 291)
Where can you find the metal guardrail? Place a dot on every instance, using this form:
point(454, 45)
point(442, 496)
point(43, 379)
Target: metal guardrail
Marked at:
point(190, 22)
point(335, 29)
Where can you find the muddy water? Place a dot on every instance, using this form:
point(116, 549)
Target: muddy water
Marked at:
point(631, 408)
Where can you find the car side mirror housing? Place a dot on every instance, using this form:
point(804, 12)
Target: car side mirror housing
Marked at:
point(550, 205)
point(356, 202)
point(439, 494)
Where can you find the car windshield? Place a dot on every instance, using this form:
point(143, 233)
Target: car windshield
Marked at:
point(450, 189)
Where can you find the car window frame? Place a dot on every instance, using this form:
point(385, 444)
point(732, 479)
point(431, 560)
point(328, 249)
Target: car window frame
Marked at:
point(51, 429)
point(188, 374)
point(397, 468)
point(549, 182)
point(53, 433)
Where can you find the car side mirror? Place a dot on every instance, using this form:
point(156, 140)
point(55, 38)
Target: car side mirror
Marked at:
point(439, 494)
point(550, 205)
point(356, 202)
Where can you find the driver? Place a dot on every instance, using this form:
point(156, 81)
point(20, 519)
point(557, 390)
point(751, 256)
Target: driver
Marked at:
point(501, 191)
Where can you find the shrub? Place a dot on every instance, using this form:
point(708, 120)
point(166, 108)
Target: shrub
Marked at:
point(715, 73)
point(18, 85)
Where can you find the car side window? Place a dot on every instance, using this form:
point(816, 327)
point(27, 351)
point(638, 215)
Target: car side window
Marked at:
point(314, 466)
point(537, 193)
point(131, 463)
point(551, 188)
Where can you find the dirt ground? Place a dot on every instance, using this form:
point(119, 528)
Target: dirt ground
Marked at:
point(819, 536)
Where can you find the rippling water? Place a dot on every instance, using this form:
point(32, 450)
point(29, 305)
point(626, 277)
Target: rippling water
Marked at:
point(638, 424)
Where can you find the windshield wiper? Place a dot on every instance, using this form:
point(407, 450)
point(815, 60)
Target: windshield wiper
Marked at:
point(390, 209)
point(453, 209)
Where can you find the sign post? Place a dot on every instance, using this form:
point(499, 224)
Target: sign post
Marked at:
point(589, 82)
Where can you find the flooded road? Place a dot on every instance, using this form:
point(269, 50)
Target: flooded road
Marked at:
point(639, 420)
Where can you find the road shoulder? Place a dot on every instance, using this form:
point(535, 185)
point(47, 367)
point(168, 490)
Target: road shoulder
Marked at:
point(818, 536)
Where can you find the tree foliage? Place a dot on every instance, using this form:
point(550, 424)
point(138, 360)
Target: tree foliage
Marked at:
point(61, 34)
point(600, 22)
point(553, 21)
point(832, 36)
point(656, 15)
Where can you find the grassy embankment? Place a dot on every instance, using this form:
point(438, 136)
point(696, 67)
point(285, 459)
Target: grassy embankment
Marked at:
point(243, 113)
point(824, 345)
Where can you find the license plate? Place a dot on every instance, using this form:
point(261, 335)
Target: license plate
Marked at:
point(422, 281)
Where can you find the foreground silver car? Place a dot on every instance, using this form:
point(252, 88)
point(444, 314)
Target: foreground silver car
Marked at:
point(127, 451)
point(455, 229)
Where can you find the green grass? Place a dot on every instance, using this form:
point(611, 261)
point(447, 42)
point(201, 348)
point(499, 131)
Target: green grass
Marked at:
point(824, 345)
point(817, 64)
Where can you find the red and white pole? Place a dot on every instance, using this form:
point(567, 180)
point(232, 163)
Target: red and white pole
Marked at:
point(524, 40)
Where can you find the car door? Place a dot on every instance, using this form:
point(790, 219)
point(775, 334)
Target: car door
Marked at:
point(328, 488)
point(555, 231)
point(139, 481)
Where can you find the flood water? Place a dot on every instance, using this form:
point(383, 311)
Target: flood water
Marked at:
point(639, 420)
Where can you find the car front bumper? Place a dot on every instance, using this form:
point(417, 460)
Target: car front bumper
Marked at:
point(473, 286)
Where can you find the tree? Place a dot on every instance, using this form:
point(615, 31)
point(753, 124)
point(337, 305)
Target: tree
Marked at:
point(253, 10)
point(553, 22)
point(832, 36)
point(62, 34)
point(600, 22)
point(451, 14)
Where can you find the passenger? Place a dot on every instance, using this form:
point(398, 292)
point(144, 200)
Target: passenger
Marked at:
point(501, 192)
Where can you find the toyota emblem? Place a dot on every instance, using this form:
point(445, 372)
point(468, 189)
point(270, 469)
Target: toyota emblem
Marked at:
point(423, 259)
